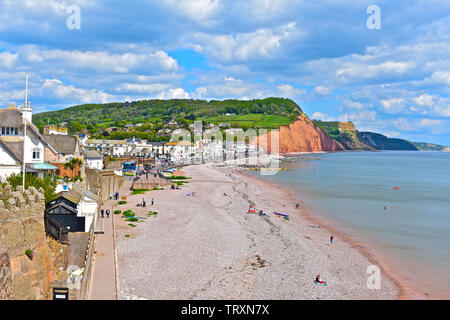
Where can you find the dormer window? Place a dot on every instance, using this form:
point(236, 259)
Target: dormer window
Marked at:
point(10, 131)
point(36, 154)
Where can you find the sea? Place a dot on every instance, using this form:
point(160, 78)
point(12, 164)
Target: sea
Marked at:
point(397, 203)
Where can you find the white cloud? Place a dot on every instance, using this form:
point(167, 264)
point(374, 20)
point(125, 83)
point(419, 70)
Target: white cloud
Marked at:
point(103, 61)
point(394, 105)
point(288, 91)
point(323, 91)
point(442, 77)
point(177, 93)
point(143, 88)
point(262, 43)
point(200, 11)
point(8, 59)
point(58, 89)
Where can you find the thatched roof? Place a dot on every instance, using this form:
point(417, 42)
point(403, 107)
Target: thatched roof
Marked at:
point(64, 144)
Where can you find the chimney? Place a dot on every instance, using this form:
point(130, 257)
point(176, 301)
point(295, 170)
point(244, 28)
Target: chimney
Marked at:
point(27, 113)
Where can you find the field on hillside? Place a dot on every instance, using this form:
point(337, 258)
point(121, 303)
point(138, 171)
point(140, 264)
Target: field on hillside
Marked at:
point(252, 120)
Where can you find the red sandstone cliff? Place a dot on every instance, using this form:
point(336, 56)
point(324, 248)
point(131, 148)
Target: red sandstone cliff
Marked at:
point(301, 136)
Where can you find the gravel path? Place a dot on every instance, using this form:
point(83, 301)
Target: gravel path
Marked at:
point(208, 247)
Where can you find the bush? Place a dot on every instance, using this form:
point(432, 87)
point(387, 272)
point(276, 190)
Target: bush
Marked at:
point(117, 211)
point(132, 225)
point(122, 202)
point(48, 184)
point(132, 219)
point(128, 213)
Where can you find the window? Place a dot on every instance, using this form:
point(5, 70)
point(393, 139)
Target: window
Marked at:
point(36, 154)
point(9, 131)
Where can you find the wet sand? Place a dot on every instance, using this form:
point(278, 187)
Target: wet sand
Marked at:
point(208, 247)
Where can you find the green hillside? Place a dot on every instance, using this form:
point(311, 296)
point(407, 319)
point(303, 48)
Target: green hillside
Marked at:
point(153, 115)
point(425, 146)
point(350, 138)
point(381, 142)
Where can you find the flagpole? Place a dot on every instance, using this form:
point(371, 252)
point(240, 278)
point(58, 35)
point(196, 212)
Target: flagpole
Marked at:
point(25, 129)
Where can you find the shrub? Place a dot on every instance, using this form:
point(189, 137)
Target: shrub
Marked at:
point(29, 253)
point(122, 202)
point(127, 236)
point(128, 213)
point(132, 225)
point(132, 219)
point(117, 211)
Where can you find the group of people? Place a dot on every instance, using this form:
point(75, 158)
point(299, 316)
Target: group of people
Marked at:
point(115, 196)
point(102, 212)
point(252, 210)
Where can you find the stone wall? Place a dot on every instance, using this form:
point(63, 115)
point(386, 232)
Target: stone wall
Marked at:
point(22, 228)
point(111, 183)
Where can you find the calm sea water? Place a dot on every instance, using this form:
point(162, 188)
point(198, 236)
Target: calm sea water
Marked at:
point(352, 188)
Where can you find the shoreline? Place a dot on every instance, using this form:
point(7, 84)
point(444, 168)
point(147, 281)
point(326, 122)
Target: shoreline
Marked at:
point(406, 291)
point(210, 247)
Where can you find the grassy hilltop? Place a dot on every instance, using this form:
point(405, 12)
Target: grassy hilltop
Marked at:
point(153, 115)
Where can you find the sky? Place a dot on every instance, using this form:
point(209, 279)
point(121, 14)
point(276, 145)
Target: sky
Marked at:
point(326, 55)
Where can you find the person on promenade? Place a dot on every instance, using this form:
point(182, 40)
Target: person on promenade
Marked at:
point(331, 239)
point(297, 205)
point(102, 212)
point(143, 203)
point(107, 213)
point(152, 201)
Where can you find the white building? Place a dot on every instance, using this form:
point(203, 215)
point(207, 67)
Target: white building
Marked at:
point(12, 153)
point(93, 159)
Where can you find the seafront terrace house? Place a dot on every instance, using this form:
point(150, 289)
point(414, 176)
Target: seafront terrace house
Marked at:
point(180, 150)
point(115, 148)
point(12, 138)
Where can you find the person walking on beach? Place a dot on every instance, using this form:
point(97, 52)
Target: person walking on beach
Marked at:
point(102, 212)
point(331, 239)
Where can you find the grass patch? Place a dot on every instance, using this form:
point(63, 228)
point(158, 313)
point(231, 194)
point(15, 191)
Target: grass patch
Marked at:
point(180, 183)
point(122, 202)
point(132, 225)
point(117, 211)
point(127, 236)
point(156, 188)
point(152, 213)
point(132, 219)
point(178, 178)
point(139, 191)
point(128, 213)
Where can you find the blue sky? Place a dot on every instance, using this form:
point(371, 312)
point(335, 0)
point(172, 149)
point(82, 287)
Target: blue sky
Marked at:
point(394, 80)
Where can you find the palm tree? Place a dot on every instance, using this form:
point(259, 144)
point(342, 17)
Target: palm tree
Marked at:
point(73, 163)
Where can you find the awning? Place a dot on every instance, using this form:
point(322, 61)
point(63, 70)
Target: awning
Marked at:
point(43, 166)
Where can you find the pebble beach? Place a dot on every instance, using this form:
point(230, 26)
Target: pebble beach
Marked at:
point(207, 246)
